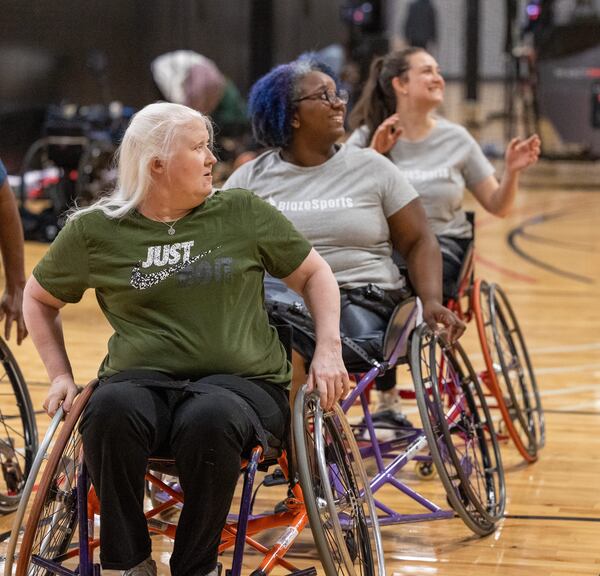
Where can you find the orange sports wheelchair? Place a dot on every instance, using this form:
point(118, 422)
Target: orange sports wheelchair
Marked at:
point(508, 374)
point(327, 487)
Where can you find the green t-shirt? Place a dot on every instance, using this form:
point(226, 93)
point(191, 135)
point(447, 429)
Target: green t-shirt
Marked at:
point(190, 304)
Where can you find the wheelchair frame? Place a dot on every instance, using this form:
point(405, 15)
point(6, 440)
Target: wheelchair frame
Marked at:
point(65, 501)
point(460, 398)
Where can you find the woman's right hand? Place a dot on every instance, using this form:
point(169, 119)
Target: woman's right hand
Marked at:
point(387, 134)
point(62, 391)
point(328, 375)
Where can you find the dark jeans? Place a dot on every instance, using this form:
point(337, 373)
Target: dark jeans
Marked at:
point(205, 425)
point(368, 329)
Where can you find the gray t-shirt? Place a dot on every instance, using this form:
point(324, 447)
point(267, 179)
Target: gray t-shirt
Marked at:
point(440, 167)
point(340, 206)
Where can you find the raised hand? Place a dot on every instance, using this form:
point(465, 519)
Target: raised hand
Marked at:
point(387, 134)
point(520, 153)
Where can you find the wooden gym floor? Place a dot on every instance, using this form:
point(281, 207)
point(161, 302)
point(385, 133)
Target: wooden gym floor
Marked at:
point(546, 255)
point(552, 524)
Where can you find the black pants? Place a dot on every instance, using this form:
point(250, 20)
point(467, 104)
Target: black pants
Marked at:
point(453, 254)
point(133, 416)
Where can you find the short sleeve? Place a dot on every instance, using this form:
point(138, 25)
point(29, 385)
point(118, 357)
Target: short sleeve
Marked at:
point(3, 173)
point(477, 167)
point(281, 247)
point(397, 191)
point(239, 178)
point(64, 269)
point(358, 138)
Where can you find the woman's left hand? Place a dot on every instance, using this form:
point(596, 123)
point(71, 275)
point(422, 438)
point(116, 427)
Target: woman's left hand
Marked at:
point(520, 154)
point(434, 314)
point(328, 375)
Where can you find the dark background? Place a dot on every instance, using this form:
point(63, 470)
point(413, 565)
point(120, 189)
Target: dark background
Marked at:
point(45, 46)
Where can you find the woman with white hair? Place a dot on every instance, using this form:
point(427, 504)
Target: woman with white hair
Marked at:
point(193, 369)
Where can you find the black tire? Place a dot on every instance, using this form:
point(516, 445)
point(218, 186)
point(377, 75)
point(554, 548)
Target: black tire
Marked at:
point(516, 364)
point(513, 371)
point(479, 452)
point(18, 431)
point(337, 495)
point(52, 522)
point(448, 413)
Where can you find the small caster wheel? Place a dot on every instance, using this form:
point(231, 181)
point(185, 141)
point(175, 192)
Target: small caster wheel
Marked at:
point(425, 470)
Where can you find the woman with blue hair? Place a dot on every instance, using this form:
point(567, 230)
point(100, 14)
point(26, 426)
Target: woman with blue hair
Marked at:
point(354, 206)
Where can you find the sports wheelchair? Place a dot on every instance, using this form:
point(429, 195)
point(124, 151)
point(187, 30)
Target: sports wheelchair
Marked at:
point(508, 374)
point(332, 495)
point(457, 437)
point(18, 431)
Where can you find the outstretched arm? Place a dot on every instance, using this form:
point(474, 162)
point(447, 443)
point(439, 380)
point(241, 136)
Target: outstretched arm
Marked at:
point(11, 245)
point(413, 238)
point(498, 197)
point(42, 315)
point(315, 282)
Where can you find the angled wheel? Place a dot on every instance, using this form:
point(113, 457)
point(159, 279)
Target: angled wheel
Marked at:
point(509, 369)
point(18, 431)
point(459, 431)
point(52, 521)
point(338, 499)
point(473, 432)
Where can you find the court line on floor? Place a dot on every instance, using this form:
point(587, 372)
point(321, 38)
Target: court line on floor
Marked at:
point(540, 517)
point(567, 369)
point(574, 408)
point(571, 390)
point(566, 348)
point(518, 231)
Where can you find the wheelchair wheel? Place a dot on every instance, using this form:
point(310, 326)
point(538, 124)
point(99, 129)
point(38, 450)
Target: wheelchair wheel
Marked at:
point(478, 449)
point(337, 495)
point(509, 366)
point(459, 431)
point(18, 431)
point(53, 518)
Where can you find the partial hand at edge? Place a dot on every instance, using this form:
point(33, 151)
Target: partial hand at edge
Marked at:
point(11, 310)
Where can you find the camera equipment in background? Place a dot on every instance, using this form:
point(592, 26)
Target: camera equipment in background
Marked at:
point(70, 163)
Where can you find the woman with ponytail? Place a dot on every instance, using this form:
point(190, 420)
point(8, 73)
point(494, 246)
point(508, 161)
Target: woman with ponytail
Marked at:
point(395, 115)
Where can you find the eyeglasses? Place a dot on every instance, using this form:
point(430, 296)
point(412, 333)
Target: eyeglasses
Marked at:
point(330, 96)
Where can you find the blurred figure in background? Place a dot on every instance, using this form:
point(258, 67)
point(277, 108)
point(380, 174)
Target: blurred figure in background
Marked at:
point(420, 26)
point(186, 77)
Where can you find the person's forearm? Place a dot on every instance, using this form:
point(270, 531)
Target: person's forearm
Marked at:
point(424, 262)
point(45, 328)
point(322, 296)
point(504, 197)
point(11, 239)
